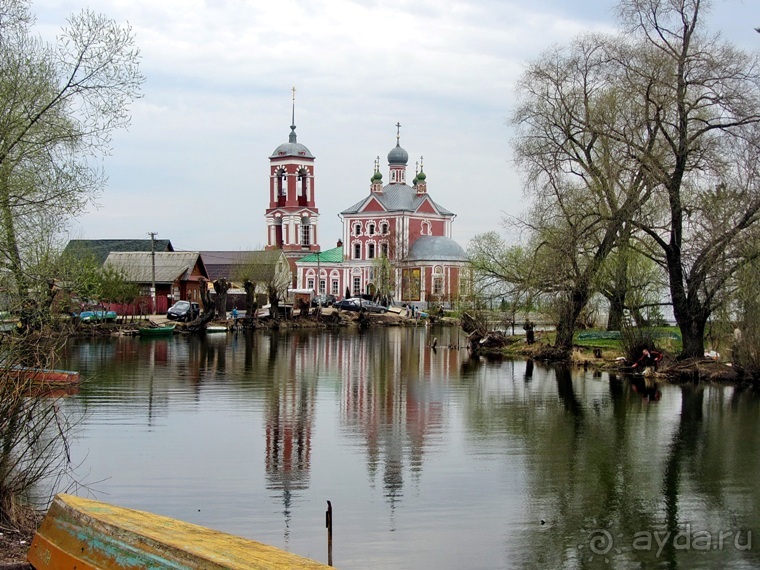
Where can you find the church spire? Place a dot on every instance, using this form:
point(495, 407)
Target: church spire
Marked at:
point(292, 137)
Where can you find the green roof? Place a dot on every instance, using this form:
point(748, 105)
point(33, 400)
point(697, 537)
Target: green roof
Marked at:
point(100, 248)
point(334, 255)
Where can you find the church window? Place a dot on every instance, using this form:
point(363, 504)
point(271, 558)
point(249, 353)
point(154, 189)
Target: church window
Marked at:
point(437, 285)
point(357, 250)
point(310, 283)
point(302, 186)
point(357, 285)
point(425, 229)
point(371, 229)
point(305, 232)
point(334, 290)
point(322, 285)
point(384, 229)
point(357, 229)
point(371, 251)
point(384, 249)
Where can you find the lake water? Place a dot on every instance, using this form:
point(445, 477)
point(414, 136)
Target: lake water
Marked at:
point(431, 459)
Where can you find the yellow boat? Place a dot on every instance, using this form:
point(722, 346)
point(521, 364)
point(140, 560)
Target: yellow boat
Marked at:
point(83, 534)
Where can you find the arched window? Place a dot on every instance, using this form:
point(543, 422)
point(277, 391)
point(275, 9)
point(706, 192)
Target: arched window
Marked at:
point(371, 229)
point(357, 229)
point(357, 250)
point(384, 228)
point(305, 232)
point(282, 186)
point(370, 251)
point(302, 187)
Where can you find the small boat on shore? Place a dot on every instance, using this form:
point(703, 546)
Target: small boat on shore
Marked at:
point(87, 535)
point(164, 330)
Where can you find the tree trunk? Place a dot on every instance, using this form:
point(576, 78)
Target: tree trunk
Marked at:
point(569, 312)
point(617, 310)
point(221, 286)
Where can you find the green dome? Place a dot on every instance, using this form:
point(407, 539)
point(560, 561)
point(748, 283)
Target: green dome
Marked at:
point(421, 176)
point(377, 176)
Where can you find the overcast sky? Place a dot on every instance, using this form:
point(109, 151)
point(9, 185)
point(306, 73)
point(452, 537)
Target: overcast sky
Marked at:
point(193, 166)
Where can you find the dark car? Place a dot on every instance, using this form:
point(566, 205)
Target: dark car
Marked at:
point(183, 311)
point(347, 305)
point(356, 304)
point(323, 300)
point(373, 307)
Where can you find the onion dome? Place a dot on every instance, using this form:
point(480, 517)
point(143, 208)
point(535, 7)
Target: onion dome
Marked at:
point(292, 147)
point(398, 156)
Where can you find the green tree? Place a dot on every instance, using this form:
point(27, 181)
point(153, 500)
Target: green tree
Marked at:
point(656, 133)
point(699, 99)
point(570, 103)
point(59, 105)
point(114, 287)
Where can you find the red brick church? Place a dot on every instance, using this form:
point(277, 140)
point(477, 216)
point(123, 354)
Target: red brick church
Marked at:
point(396, 240)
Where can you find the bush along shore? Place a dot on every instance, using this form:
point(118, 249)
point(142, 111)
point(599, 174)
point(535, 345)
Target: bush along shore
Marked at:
point(614, 352)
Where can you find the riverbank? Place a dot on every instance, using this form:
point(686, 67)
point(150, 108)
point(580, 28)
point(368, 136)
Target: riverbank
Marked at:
point(608, 358)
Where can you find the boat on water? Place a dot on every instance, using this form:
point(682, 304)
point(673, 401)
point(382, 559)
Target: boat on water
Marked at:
point(42, 376)
point(87, 535)
point(217, 328)
point(163, 330)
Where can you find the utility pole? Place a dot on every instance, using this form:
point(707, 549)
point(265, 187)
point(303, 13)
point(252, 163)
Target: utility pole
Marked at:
point(153, 264)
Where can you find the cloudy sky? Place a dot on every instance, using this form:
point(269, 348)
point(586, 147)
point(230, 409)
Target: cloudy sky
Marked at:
point(193, 166)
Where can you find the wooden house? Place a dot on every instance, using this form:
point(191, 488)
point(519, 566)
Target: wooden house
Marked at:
point(177, 275)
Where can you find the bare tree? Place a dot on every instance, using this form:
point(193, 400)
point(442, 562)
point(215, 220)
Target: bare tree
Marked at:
point(571, 101)
point(699, 98)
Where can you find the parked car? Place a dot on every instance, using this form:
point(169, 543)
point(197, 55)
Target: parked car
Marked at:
point(96, 316)
point(347, 305)
point(373, 307)
point(183, 311)
point(356, 304)
point(323, 300)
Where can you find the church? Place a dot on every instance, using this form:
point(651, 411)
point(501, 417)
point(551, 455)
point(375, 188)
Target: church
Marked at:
point(396, 241)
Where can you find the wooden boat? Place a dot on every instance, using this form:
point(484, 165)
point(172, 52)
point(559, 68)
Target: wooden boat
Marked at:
point(88, 535)
point(163, 330)
point(42, 376)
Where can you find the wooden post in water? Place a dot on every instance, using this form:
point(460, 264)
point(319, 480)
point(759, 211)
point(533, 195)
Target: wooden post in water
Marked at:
point(328, 524)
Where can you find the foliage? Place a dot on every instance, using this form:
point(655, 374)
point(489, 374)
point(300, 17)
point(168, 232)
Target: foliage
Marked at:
point(683, 110)
point(114, 287)
point(746, 343)
point(59, 105)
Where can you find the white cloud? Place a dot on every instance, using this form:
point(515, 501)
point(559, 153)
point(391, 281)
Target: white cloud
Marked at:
point(194, 164)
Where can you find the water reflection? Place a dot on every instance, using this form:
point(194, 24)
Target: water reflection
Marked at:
point(431, 459)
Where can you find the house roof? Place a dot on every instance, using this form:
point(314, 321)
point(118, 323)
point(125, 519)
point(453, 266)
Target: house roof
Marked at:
point(259, 265)
point(334, 255)
point(170, 266)
point(397, 197)
point(100, 248)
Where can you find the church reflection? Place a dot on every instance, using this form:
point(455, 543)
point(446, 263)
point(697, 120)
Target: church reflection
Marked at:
point(391, 398)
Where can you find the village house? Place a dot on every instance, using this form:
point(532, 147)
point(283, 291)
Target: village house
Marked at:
point(177, 275)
